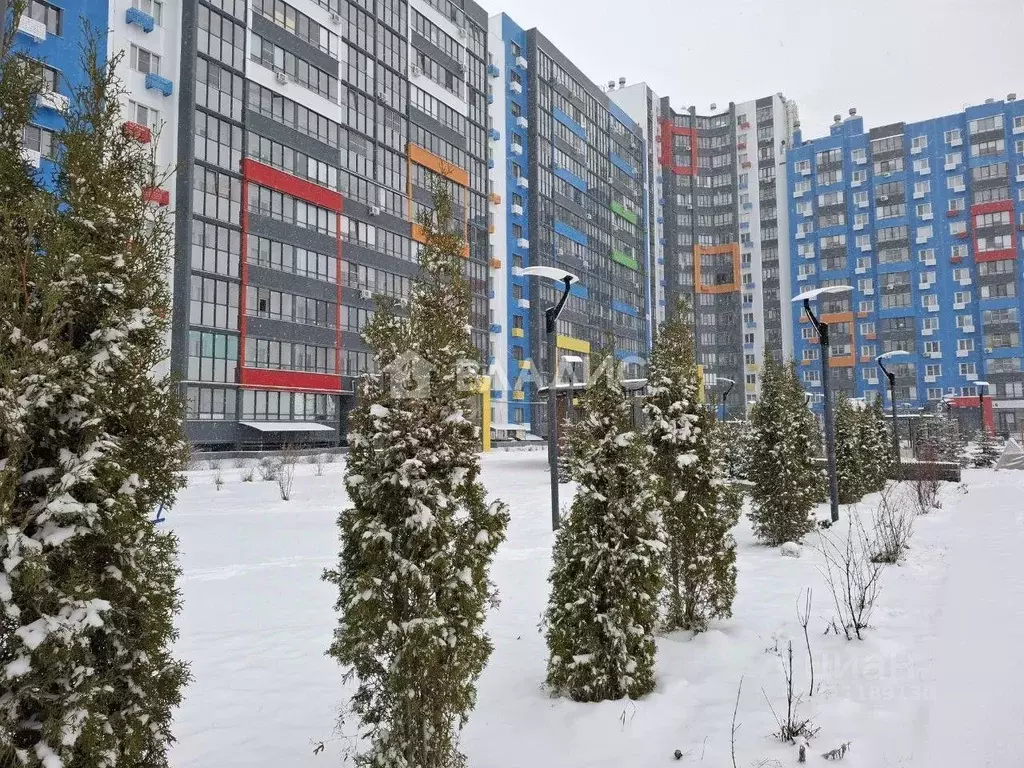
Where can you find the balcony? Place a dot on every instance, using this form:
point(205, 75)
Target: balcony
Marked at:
point(515, 87)
point(523, 243)
point(31, 157)
point(522, 181)
point(157, 83)
point(492, 70)
point(523, 303)
point(516, 209)
point(34, 29)
point(137, 131)
point(522, 62)
point(522, 122)
point(494, 134)
point(140, 18)
point(58, 102)
point(516, 149)
point(518, 333)
point(156, 195)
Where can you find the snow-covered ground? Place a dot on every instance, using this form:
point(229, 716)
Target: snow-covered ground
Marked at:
point(937, 681)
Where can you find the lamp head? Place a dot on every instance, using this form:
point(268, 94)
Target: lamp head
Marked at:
point(552, 273)
point(816, 292)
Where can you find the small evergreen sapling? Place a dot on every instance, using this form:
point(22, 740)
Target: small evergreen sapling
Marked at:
point(697, 509)
point(606, 570)
point(417, 543)
point(988, 450)
point(850, 458)
point(786, 483)
point(90, 441)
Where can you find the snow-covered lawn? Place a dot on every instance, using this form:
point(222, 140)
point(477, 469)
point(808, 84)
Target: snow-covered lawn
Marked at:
point(936, 682)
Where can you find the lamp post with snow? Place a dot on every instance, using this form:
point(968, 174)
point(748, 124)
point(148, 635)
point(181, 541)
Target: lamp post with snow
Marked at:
point(891, 378)
point(551, 327)
point(982, 386)
point(725, 394)
point(830, 440)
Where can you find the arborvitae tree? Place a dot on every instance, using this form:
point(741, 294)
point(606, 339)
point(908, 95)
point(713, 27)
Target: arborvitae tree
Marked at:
point(876, 447)
point(988, 450)
point(418, 540)
point(733, 441)
point(786, 483)
point(90, 442)
point(697, 510)
point(850, 468)
point(606, 574)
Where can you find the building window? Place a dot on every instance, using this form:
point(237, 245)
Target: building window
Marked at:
point(50, 15)
point(209, 403)
point(144, 61)
point(40, 140)
point(154, 8)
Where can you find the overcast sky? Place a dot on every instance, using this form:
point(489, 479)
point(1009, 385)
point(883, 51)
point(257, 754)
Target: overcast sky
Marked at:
point(892, 59)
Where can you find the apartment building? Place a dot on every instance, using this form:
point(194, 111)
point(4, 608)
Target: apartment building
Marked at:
point(923, 221)
point(141, 36)
point(718, 180)
point(569, 176)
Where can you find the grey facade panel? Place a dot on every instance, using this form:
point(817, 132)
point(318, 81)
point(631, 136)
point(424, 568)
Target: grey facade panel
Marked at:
point(181, 283)
point(422, 119)
point(279, 330)
point(291, 137)
point(352, 252)
point(420, 43)
point(281, 231)
point(299, 285)
point(268, 30)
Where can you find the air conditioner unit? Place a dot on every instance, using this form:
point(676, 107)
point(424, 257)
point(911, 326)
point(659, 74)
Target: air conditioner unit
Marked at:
point(463, 34)
point(336, 18)
point(415, 70)
point(382, 94)
point(365, 294)
point(375, 210)
point(281, 77)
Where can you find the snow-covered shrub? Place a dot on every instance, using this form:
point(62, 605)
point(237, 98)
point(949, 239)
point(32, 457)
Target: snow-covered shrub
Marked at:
point(268, 467)
point(697, 510)
point(90, 437)
point(850, 464)
point(893, 524)
point(853, 577)
point(218, 480)
point(319, 460)
point(606, 571)
point(418, 539)
point(285, 472)
point(988, 451)
point(786, 482)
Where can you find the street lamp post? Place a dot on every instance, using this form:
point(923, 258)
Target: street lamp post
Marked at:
point(830, 441)
point(982, 386)
point(550, 327)
point(725, 394)
point(891, 378)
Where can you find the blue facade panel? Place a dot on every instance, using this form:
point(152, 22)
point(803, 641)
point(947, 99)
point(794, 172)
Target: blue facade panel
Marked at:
point(61, 50)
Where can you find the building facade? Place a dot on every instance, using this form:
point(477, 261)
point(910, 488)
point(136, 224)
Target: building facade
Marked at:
point(923, 221)
point(718, 183)
point(569, 171)
point(135, 33)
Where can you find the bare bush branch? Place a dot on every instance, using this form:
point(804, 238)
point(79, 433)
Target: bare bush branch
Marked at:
point(894, 525)
point(793, 727)
point(735, 727)
point(804, 617)
point(852, 576)
point(286, 471)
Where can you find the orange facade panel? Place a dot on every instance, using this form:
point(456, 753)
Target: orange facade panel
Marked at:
point(699, 251)
point(841, 362)
point(420, 156)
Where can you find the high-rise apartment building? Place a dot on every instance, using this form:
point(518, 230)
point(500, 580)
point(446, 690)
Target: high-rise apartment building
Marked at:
point(311, 133)
point(569, 172)
point(717, 197)
point(923, 220)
